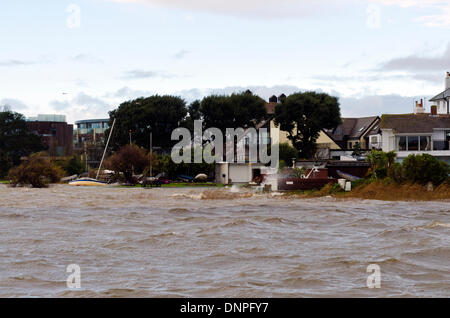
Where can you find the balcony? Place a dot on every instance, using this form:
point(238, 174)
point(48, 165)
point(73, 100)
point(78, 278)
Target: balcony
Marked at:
point(440, 145)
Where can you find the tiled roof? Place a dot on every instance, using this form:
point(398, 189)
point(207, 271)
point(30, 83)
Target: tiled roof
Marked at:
point(415, 123)
point(351, 128)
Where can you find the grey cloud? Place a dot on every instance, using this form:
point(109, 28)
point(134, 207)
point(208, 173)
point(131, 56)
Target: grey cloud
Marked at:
point(128, 93)
point(7, 63)
point(85, 58)
point(180, 54)
point(141, 74)
point(416, 63)
point(13, 104)
point(378, 105)
point(82, 103)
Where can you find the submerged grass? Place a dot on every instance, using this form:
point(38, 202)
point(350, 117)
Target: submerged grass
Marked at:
point(385, 190)
point(390, 191)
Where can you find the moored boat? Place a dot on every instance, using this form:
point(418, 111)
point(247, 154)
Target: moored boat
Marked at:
point(86, 182)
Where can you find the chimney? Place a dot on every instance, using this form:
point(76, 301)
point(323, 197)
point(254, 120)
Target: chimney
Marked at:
point(434, 110)
point(447, 81)
point(419, 107)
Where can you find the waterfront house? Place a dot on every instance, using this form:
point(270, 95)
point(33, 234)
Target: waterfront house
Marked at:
point(363, 133)
point(417, 133)
point(442, 100)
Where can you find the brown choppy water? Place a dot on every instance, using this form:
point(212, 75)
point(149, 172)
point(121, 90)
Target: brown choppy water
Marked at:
point(215, 243)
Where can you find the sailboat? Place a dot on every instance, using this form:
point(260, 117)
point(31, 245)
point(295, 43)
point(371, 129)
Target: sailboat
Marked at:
point(89, 182)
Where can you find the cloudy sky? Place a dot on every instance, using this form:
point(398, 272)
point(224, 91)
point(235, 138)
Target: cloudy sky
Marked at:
point(83, 58)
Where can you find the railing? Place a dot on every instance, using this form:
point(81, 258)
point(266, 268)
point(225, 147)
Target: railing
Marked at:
point(440, 145)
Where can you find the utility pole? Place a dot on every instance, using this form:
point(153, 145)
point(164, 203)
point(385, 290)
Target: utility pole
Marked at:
point(151, 152)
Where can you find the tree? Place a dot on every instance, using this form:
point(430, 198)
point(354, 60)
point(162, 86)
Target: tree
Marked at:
point(382, 163)
point(287, 153)
point(74, 166)
point(304, 115)
point(38, 171)
point(241, 110)
point(193, 114)
point(161, 114)
point(16, 140)
point(380, 159)
point(127, 159)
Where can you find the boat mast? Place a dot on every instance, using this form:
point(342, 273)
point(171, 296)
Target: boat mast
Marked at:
point(107, 144)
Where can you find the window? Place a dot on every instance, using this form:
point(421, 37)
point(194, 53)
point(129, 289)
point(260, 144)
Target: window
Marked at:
point(413, 143)
point(401, 145)
point(425, 143)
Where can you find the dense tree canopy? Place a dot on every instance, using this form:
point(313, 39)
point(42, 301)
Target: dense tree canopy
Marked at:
point(16, 140)
point(238, 110)
point(162, 113)
point(304, 115)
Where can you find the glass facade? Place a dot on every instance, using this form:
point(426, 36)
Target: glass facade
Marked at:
point(413, 143)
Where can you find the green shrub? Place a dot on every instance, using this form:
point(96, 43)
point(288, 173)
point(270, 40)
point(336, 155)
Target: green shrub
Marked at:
point(424, 168)
point(38, 171)
point(396, 173)
point(381, 159)
point(381, 173)
point(74, 166)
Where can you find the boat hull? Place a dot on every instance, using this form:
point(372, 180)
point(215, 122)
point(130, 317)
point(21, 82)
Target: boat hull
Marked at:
point(87, 183)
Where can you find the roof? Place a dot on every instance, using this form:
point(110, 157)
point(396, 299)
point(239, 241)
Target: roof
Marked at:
point(443, 95)
point(415, 123)
point(352, 128)
point(91, 121)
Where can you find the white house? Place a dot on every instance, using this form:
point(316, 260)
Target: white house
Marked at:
point(442, 100)
point(417, 134)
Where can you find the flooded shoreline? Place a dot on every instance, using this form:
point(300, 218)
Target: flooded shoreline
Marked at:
point(217, 243)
